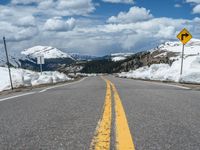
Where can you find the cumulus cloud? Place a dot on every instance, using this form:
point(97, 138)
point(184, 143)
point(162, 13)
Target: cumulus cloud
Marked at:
point(134, 14)
point(19, 17)
point(46, 4)
point(107, 38)
point(196, 9)
point(134, 30)
point(26, 21)
point(120, 1)
point(58, 24)
point(57, 7)
point(16, 33)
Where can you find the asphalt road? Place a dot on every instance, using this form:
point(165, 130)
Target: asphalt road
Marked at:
point(159, 117)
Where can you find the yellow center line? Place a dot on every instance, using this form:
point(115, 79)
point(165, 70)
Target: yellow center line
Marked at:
point(101, 140)
point(124, 139)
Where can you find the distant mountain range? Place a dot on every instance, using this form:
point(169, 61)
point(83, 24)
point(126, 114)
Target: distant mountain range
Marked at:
point(56, 59)
point(78, 57)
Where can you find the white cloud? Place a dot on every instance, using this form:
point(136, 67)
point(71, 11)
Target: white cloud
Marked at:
point(19, 17)
point(193, 1)
point(177, 5)
point(134, 30)
point(196, 9)
point(120, 1)
point(134, 14)
point(78, 4)
point(58, 24)
point(46, 4)
point(26, 21)
point(15, 33)
point(56, 7)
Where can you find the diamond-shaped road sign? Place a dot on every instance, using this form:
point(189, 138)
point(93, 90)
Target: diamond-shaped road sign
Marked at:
point(184, 36)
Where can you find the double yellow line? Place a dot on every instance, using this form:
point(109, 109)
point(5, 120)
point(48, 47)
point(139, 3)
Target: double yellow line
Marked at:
point(102, 138)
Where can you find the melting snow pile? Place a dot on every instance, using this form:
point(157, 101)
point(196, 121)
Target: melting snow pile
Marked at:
point(165, 72)
point(22, 77)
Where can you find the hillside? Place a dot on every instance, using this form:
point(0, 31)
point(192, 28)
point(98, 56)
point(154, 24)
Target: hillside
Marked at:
point(171, 71)
point(166, 53)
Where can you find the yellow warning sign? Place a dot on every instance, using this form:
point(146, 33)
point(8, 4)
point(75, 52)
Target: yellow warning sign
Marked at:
point(184, 36)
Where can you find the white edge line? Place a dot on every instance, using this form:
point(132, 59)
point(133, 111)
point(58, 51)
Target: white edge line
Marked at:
point(172, 85)
point(178, 86)
point(53, 87)
point(3, 99)
point(164, 84)
point(44, 90)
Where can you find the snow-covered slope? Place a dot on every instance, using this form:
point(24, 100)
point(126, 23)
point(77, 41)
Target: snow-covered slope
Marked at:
point(46, 51)
point(167, 72)
point(22, 77)
point(192, 48)
point(120, 56)
point(54, 58)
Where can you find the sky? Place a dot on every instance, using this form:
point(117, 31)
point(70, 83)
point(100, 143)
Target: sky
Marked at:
point(96, 27)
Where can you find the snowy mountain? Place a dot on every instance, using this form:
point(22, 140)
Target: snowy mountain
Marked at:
point(46, 51)
point(54, 58)
point(170, 71)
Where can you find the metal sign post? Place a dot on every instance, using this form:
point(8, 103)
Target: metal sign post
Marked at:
point(184, 36)
point(8, 63)
point(182, 57)
point(40, 64)
point(40, 61)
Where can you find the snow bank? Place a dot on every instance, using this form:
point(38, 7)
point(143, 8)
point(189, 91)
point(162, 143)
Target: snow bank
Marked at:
point(22, 77)
point(165, 72)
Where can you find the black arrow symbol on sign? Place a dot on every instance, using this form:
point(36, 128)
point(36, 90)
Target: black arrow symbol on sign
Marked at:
point(184, 35)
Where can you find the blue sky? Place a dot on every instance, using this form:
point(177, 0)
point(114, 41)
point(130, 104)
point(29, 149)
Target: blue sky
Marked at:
point(160, 8)
point(96, 27)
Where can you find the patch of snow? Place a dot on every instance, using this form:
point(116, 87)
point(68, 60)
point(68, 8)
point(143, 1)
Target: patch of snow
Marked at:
point(22, 77)
point(161, 55)
point(119, 58)
point(121, 54)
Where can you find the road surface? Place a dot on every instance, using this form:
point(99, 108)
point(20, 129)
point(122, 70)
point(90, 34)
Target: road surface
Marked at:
point(101, 113)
